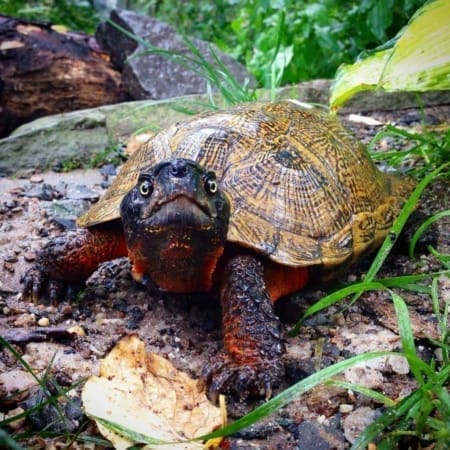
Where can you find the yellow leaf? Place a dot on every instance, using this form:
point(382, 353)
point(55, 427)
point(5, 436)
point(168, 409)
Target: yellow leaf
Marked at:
point(418, 61)
point(60, 28)
point(145, 394)
point(420, 58)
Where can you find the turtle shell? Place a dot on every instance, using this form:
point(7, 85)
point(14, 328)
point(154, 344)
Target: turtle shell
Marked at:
point(302, 190)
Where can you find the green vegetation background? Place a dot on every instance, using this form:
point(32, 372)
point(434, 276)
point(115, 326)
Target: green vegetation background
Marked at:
point(309, 38)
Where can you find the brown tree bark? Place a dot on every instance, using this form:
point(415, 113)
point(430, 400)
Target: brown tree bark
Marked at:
point(44, 72)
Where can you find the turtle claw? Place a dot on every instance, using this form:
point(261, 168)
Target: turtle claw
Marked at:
point(241, 381)
point(32, 281)
point(37, 284)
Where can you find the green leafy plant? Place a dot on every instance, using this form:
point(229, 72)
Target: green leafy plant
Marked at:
point(113, 154)
point(80, 15)
point(316, 37)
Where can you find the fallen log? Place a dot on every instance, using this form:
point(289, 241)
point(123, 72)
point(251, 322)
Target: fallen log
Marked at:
point(43, 71)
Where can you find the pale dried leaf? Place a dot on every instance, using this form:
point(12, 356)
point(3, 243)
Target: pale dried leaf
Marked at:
point(145, 393)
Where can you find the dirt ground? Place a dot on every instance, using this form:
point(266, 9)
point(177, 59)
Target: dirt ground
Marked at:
point(69, 339)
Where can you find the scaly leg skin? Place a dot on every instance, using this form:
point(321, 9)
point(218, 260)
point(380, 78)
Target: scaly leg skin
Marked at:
point(69, 259)
point(250, 364)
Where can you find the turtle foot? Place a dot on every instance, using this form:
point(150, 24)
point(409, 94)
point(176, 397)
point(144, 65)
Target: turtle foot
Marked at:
point(37, 284)
point(242, 380)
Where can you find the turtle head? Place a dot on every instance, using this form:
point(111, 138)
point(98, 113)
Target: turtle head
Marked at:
point(175, 221)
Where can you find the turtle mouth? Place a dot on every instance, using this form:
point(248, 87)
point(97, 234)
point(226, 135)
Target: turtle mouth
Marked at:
point(180, 210)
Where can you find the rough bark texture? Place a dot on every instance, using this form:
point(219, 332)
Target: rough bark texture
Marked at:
point(46, 72)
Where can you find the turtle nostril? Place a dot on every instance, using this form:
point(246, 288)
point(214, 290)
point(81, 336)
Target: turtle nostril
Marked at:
point(179, 169)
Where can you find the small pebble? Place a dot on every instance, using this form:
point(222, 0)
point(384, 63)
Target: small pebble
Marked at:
point(52, 309)
point(25, 320)
point(44, 322)
point(77, 330)
point(11, 258)
point(357, 421)
point(14, 386)
point(399, 364)
point(438, 354)
point(345, 408)
point(67, 310)
point(29, 256)
point(8, 266)
point(36, 179)
point(16, 424)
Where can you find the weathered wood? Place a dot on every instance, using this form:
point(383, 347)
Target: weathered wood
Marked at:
point(43, 72)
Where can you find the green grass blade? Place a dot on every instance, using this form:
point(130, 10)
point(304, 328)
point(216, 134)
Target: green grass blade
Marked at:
point(6, 441)
point(444, 396)
point(129, 434)
point(429, 221)
point(409, 350)
point(262, 411)
point(370, 393)
point(335, 297)
point(407, 282)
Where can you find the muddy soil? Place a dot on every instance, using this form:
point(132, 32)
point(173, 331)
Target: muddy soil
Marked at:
point(69, 338)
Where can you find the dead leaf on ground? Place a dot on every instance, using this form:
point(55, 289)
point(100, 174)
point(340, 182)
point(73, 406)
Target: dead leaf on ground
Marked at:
point(145, 393)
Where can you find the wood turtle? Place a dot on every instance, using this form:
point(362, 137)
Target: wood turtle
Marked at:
point(251, 201)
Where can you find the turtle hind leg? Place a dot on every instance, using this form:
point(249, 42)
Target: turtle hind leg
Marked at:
point(67, 260)
point(250, 363)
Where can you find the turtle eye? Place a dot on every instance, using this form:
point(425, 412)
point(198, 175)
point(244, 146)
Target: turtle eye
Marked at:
point(211, 184)
point(146, 187)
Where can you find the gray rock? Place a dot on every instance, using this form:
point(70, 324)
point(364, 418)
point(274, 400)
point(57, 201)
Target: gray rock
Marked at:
point(81, 192)
point(357, 421)
point(80, 135)
point(154, 76)
point(315, 436)
point(65, 212)
point(61, 137)
point(43, 191)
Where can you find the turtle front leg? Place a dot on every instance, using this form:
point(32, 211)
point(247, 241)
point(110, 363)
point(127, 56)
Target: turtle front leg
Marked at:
point(70, 258)
point(250, 363)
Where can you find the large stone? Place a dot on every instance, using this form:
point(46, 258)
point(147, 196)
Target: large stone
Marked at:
point(154, 76)
point(79, 135)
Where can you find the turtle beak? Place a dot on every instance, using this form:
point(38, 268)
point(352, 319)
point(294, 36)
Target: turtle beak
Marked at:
point(179, 211)
point(179, 196)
